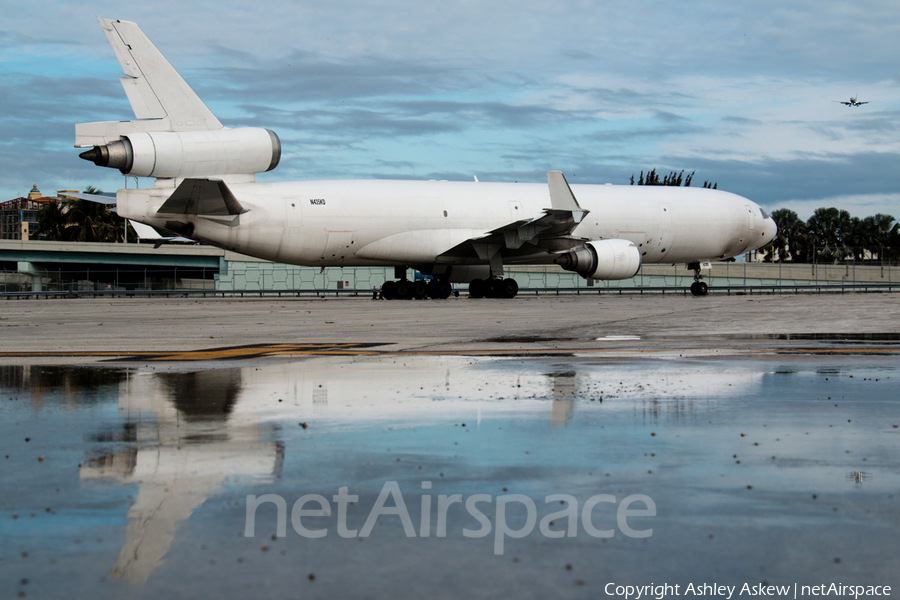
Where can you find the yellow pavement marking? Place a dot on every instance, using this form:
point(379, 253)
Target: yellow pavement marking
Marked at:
point(364, 349)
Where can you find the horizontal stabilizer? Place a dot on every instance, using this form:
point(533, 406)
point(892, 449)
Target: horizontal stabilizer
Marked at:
point(144, 232)
point(98, 198)
point(202, 197)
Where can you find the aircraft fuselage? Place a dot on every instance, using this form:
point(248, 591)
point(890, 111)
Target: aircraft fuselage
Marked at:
point(384, 222)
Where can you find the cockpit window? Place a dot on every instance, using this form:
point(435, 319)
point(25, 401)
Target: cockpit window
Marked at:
point(765, 215)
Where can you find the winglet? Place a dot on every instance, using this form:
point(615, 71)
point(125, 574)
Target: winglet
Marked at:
point(561, 196)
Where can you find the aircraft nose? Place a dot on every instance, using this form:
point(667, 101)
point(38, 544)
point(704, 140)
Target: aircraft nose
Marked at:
point(769, 231)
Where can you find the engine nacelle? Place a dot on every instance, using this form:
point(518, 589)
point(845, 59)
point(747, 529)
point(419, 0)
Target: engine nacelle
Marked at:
point(241, 151)
point(603, 259)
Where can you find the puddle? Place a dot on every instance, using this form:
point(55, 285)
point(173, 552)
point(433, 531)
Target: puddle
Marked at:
point(823, 337)
point(117, 476)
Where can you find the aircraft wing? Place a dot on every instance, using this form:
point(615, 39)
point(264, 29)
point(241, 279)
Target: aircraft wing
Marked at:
point(548, 233)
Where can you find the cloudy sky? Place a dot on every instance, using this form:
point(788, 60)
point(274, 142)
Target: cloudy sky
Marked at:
point(740, 92)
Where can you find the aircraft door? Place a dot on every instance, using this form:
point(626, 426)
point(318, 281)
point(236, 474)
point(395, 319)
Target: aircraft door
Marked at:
point(751, 217)
point(294, 213)
point(665, 234)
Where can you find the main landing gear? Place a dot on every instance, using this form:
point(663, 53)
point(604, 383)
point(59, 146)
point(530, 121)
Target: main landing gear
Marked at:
point(403, 289)
point(493, 288)
point(698, 288)
point(418, 290)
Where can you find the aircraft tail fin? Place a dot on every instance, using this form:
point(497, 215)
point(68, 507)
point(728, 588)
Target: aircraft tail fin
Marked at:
point(161, 99)
point(153, 86)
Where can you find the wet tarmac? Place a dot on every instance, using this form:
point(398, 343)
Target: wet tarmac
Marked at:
point(414, 475)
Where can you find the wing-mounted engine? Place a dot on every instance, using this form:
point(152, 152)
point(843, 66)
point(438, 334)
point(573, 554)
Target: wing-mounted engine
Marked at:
point(603, 259)
point(243, 151)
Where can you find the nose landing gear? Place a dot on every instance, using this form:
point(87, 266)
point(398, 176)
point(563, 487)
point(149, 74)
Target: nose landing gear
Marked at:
point(698, 288)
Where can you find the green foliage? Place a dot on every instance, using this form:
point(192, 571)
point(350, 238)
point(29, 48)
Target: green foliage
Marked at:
point(79, 221)
point(673, 179)
point(52, 222)
point(831, 234)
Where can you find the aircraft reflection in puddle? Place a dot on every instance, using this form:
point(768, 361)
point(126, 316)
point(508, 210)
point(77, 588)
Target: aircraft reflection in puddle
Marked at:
point(189, 432)
point(185, 446)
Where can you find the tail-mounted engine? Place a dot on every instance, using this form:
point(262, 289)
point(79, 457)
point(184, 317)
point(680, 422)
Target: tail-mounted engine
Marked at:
point(243, 151)
point(603, 259)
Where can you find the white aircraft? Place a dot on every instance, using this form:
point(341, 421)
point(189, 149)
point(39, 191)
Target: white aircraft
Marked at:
point(459, 232)
point(853, 102)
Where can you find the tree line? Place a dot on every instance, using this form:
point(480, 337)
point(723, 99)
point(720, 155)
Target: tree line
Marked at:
point(829, 235)
point(674, 179)
point(81, 221)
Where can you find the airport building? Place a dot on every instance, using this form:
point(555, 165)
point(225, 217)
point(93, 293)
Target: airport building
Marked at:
point(18, 217)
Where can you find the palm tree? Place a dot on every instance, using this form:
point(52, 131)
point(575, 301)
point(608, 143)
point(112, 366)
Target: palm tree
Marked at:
point(791, 238)
point(673, 179)
point(828, 231)
point(90, 221)
point(858, 238)
point(52, 222)
point(882, 233)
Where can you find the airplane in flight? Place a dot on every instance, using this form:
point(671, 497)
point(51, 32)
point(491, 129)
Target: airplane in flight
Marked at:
point(853, 102)
point(459, 232)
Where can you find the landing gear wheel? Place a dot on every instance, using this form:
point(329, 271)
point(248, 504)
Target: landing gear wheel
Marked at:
point(403, 290)
point(508, 288)
point(699, 288)
point(444, 289)
point(477, 288)
point(418, 290)
point(389, 290)
point(492, 288)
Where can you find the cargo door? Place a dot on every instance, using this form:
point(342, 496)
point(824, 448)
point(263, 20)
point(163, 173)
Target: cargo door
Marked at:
point(338, 247)
point(664, 242)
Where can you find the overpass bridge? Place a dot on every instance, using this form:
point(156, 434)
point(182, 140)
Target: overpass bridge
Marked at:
point(125, 266)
